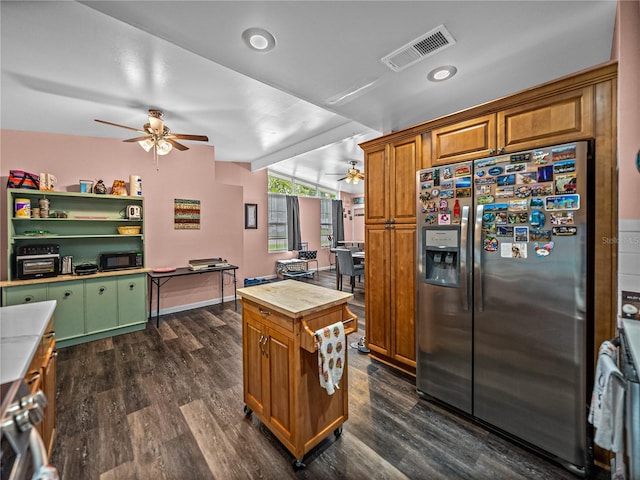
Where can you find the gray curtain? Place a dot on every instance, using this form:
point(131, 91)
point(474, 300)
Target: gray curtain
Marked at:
point(337, 221)
point(294, 238)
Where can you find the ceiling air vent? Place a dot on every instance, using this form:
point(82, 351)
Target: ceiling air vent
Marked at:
point(422, 47)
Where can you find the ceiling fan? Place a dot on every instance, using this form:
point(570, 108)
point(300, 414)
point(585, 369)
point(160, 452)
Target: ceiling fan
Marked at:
point(157, 135)
point(353, 174)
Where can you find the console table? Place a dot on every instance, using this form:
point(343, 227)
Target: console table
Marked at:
point(160, 278)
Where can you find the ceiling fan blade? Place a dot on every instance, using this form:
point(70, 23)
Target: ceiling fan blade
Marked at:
point(343, 178)
point(118, 125)
point(179, 146)
point(183, 136)
point(136, 139)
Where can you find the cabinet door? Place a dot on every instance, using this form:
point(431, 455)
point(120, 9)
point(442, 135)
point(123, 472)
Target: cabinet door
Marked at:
point(132, 304)
point(404, 161)
point(378, 264)
point(376, 185)
point(49, 388)
point(280, 381)
point(558, 119)
point(101, 304)
point(252, 336)
point(403, 293)
point(24, 294)
point(69, 316)
point(464, 141)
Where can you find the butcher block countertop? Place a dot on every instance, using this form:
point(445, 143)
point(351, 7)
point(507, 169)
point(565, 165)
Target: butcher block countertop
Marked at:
point(293, 298)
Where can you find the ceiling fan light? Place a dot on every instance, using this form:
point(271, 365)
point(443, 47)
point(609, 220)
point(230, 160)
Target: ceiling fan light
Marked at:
point(348, 179)
point(146, 144)
point(163, 147)
point(355, 180)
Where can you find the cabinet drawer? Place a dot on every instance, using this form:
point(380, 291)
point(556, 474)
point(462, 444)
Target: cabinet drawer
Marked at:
point(24, 294)
point(267, 315)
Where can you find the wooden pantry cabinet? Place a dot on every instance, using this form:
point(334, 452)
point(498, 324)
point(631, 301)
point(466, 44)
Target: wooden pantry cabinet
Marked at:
point(390, 217)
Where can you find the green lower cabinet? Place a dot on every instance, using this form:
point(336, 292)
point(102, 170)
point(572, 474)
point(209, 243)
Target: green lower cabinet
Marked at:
point(69, 314)
point(101, 304)
point(88, 309)
point(24, 294)
point(132, 304)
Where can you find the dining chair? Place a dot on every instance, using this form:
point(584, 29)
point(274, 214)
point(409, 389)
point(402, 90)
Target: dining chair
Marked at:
point(347, 267)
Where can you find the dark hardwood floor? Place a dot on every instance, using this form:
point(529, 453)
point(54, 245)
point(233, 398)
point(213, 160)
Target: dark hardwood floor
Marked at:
point(166, 403)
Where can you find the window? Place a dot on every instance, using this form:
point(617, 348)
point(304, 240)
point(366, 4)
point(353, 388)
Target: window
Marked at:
point(280, 185)
point(277, 235)
point(305, 189)
point(326, 227)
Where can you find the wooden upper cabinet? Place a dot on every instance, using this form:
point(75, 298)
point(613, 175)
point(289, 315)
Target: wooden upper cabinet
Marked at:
point(557, 119)
point(464, 141)
point(405, 161)
point(376, 185)
point(390, 184)
point(552, 120)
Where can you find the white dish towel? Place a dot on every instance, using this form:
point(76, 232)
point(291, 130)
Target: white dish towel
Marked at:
point(607, 401)
point(331, 355)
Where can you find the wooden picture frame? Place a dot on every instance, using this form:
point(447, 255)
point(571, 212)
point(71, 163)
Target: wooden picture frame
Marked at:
point(250, 215)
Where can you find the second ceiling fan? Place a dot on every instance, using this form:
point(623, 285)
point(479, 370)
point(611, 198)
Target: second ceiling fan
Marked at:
point(157, 135)
point(353, 175)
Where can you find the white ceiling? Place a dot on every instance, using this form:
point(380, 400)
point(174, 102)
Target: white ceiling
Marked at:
point(66, 63)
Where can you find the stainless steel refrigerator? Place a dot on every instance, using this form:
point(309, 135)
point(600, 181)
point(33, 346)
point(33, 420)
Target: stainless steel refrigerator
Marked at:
point(504, 294)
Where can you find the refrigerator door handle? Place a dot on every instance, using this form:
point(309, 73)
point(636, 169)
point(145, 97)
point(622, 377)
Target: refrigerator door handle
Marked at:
point(464, 257)
point(477, 259)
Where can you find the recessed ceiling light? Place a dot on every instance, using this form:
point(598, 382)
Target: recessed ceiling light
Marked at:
point(259, 39)
point(442, 73)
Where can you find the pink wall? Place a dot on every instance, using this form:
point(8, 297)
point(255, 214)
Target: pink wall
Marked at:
point(627, 52)
point(222, 187)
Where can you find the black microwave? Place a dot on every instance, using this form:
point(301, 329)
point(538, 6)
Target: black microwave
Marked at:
point(120, 261)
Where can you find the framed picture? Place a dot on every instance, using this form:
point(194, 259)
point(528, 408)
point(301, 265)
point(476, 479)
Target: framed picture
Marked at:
point(250, 215)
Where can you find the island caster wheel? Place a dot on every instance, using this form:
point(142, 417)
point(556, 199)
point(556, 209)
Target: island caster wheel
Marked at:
point(337, 432)
point(247, 411)
point(298, 465)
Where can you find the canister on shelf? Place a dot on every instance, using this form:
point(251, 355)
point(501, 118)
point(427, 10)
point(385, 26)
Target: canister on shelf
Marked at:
point(44, 203)
point(23, 207)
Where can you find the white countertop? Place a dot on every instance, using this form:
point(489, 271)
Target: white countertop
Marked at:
point(21, 329)
point(632, 331)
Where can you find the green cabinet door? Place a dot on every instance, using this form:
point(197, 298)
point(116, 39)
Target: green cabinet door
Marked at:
point(101, 304)
point(24, 294)
point(69, 314)
point(132, 299)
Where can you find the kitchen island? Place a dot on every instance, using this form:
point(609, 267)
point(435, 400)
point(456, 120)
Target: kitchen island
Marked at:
point(280, 361)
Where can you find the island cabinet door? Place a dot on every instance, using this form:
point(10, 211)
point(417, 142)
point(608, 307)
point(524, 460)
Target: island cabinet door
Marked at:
point(101, 304)
point(69, 316)
point(252, 351)
point(279, 351)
